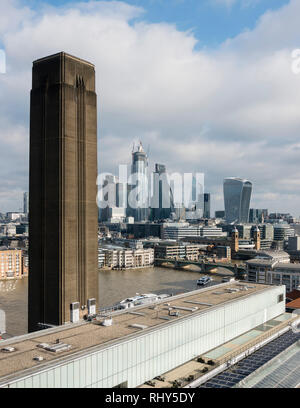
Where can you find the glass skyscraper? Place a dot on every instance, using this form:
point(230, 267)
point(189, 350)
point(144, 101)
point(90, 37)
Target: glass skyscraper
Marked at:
point(139, 192)
point(206, 209)
point(25, 203)
point(237, 195)
point(162, 203)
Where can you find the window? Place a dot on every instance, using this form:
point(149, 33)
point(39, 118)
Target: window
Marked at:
point(280, 298)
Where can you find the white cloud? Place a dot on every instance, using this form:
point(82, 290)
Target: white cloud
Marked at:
point(227, 3)
point(233, 111)
point(230, 3)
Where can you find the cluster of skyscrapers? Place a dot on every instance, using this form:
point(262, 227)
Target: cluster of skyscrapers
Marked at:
point(161, 205)
point(152, 196)
point(63, 250)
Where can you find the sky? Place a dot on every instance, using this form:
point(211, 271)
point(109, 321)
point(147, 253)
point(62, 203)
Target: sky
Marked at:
point(207, 86)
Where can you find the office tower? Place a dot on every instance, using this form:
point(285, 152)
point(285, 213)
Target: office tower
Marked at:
point(63, 273)
point(194, 197)
point(294, 243)
point(112, 208)
point(267, 231)
point(139, 190)
point(176, 191)
point(130, 212)
point(257, 215)
point(109, 196)
point(197, 195)
point(162, 202)
point(253, 216)
point(237, 194)
point(283, 231)
point(219, 214)
point(120, 195)
point(206, 210)
point(25, 203)
point(245, 231)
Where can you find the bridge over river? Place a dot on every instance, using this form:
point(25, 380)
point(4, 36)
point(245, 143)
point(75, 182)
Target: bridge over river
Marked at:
point(205, 266)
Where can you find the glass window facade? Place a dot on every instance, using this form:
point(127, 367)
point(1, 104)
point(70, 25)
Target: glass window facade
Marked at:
point(237, 195)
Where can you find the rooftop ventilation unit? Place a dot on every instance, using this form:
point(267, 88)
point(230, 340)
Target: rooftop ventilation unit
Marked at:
point(138, 326)
point(38, 358)
point(232, 290)
point(188, 309)
point(198, 303)
point(107, 322)
point(43, 345)
point(57, 348)
point(173, 313)
point(91, 303)
point(136, 313)
point(74, 309)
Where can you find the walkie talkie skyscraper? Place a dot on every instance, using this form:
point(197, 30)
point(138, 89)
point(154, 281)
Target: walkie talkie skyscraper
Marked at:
point(237, 195)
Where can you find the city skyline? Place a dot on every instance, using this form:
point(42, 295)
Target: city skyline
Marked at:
point(206, 195)
point(126, 273)
point(211, 123)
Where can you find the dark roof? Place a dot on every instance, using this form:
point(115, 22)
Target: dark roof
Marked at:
point(287, 265)
point(261, 261)
point(59, 55)
point(294, 304)
point(294, 294)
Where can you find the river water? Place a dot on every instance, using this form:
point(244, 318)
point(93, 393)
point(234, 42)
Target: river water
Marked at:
point(113, 287)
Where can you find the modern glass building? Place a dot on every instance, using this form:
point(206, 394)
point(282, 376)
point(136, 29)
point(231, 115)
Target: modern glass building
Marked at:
point(237, 195)
point(139, 194)
point(162, 202)
point(25, 203)
point(206, 210)
point(257, 215)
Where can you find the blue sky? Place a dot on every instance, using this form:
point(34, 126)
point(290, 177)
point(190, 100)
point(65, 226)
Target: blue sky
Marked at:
point(211, 21)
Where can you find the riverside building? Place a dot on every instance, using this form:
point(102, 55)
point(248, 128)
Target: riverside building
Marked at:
point(11, 263)
point(126, 258)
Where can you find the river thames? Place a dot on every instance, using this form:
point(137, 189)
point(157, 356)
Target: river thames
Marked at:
point(113, 287)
